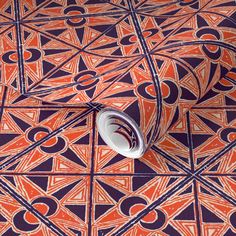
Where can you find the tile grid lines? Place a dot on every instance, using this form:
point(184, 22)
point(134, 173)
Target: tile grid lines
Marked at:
point(30, 208)
point(3, 102)
point(154, 7)
point(95, 174)
point(71, 45)
point(172, 160)
point(55, 38)
point(82, 15)
point(190, 145)
point(216, 157)
point(197, 172)
point(19, 48)
point(125, 11)
point(52, 72)
point(152, 206)
point(6, 29)
point(23, 20)
point(37, 8)
point(214, 108)
point(117, 79)
point(19, 198)
point(71, 17)
point(202, 168)
point(172, 32)
point(175, 161)
point(80, 50)
point(216, 190)
point(6, 17)
point(151, 67)
point(91, 187)
point(157, 87)
point(185, 66)
point(209, 42)
point(47, 137)
point(190, 141)
point(75, 16)
point(91, 78)
point(197, 207)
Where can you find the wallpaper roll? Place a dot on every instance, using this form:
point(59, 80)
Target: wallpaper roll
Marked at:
point(148, 72)
point(160, 88)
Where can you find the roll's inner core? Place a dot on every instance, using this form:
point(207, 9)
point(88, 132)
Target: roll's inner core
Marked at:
point(121, 133)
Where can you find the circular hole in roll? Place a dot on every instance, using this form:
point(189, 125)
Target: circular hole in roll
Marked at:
point(121, 133)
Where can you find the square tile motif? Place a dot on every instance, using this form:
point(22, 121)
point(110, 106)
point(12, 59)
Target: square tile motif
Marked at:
point(57, 176)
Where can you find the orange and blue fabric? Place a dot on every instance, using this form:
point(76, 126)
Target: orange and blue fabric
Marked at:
point(170, 65)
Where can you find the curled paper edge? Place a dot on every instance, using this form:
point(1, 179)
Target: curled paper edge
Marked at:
point(121, 133)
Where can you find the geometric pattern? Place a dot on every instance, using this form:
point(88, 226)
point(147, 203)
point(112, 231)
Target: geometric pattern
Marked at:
point(57, 176)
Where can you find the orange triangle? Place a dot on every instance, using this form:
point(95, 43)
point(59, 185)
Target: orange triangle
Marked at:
point(153, 159)
point(140, 77)
point(167, 144)
point(8, 71)
point(150, 191)
point(122, 183)
point(227, 58)
point(64, 216)
point(224, 208)
point(171, 72)
point(126, 167)
point(9, 207)
point(230, 183)
point(114, 215)
point(149, 109)
point(32, 191)
point(61, 165)
point(194, 51)
point(79, 196)
point(213, 145)
point(150, 23)
point(18, 144)
point(31, 159)
point(75, 135)
point(101, 196)
point(57, 180)
point(175, 206)
point(34, 41)
point(212, 229)
point(6, 45)
point(228, 35)
point(156, 189)
point(52, 121)
point(191, 228)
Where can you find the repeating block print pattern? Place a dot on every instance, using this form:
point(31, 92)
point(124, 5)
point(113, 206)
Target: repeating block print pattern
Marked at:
point(194, 152)
point(102, 49)
point(57, 176)
point(7, 11)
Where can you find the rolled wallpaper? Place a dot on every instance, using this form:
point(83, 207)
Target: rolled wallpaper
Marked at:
point(147, 71)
